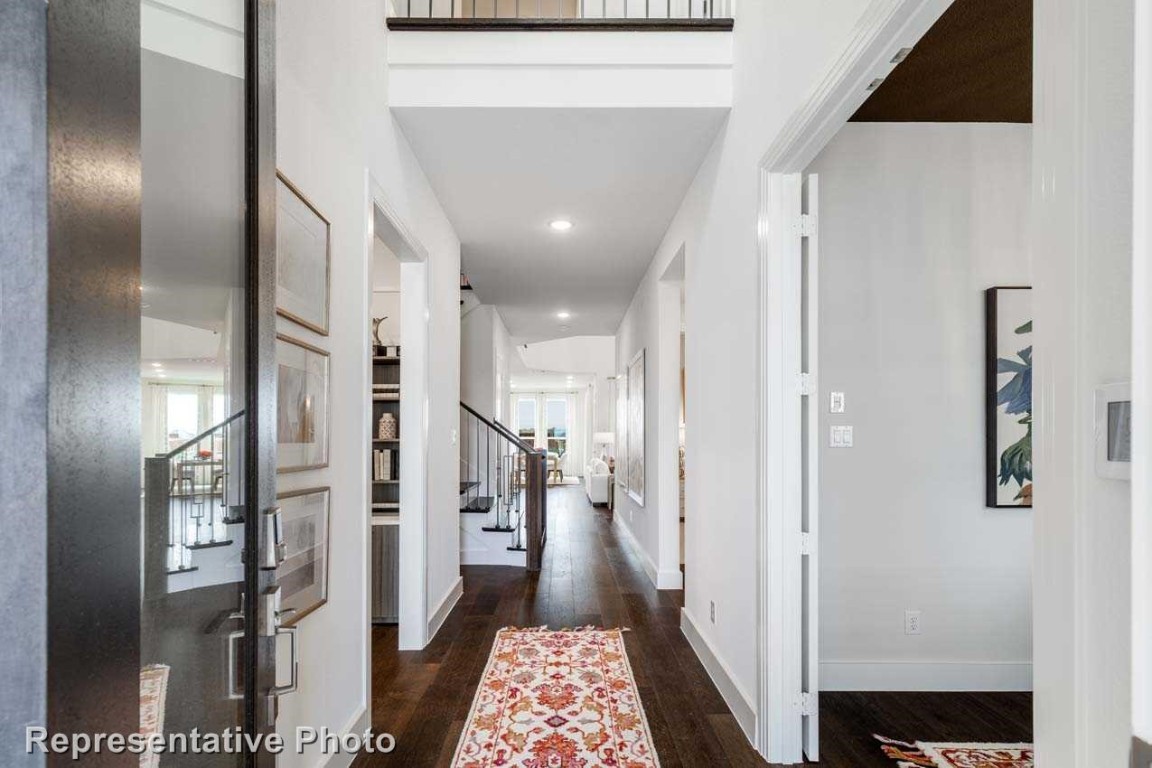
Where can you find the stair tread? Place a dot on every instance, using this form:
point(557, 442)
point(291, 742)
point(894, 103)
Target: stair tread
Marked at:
point(178, 571)
point(466, 485)
point(210, 544)
point(482, 504)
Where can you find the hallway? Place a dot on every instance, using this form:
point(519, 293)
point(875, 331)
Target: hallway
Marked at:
point(590, 576)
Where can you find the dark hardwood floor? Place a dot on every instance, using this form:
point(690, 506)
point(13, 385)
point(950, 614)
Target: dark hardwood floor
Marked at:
point(848, 721)
point(591, 576)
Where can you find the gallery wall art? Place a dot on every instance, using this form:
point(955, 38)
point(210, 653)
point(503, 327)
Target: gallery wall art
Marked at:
point(301, 405)
point(303, 258)
point(303, 576)
point(636, 430)
point(1008, 374)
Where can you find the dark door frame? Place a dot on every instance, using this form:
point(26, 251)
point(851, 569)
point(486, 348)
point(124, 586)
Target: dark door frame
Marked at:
point(75, 333)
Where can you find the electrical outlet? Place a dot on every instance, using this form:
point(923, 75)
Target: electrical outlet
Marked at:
point(713, 604)
point(911, 622)
point(836, 402)
point(455, 436)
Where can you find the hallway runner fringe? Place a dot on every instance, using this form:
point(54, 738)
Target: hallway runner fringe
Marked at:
point(563, 699)
point(940, 755)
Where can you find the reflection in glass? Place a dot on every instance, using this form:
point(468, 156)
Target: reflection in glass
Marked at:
point(193, 316)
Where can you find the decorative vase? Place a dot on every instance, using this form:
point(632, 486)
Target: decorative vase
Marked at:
point(387, 427)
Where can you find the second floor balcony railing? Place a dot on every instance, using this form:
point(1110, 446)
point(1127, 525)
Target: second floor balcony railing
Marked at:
point(560, 14)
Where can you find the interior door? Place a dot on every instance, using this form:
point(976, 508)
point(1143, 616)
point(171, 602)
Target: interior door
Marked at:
point(208, 622)
point(810, 432)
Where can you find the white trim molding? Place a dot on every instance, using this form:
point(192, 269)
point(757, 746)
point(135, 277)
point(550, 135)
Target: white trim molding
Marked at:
point(734, 696)
point(440, 613)
point(885, 27)
point(925, 676)
point(1142, 382)
point(415, 378)
point(359, 723)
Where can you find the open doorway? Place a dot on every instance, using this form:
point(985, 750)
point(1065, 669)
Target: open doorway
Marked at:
point(917, 470)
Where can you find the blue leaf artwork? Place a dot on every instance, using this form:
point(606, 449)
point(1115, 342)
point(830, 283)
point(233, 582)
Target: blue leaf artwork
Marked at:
point(1011, 424)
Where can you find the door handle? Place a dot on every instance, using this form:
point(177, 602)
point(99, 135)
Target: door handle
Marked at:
point(271, 627)
point(273, 550)
point(293, 686)
point(233, 694)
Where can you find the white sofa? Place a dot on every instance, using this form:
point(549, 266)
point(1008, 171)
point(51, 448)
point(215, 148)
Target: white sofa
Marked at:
point(596, 479)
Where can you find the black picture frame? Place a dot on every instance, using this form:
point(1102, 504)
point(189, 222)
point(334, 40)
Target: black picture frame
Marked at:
point(994, 355)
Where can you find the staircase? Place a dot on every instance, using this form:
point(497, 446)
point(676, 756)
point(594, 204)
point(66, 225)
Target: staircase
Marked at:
point(193, 513)
point(503, 495)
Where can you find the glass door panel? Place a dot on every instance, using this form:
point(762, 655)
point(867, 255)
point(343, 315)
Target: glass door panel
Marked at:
point(193, 314)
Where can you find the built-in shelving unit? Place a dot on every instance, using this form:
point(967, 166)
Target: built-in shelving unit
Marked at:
point(385, 500)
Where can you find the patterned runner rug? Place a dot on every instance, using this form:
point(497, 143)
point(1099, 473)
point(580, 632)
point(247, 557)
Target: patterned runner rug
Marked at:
point(939, 755)
point(557, 700)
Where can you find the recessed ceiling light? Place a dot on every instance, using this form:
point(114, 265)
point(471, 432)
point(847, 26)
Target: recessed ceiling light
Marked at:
point(561, 225)
point(157, 365)
point(161, 375)
point(563, 314)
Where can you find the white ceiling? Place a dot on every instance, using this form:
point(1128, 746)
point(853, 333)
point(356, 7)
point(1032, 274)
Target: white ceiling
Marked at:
point(503, 174)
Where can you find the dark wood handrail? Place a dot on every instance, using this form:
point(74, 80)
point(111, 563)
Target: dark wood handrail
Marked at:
point(502, 430)
point(535, 468)
point(176, 452)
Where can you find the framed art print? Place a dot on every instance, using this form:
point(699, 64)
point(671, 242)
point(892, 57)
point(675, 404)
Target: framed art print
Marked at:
point(303, 576)
point(1008, 397)
point(303, 258)
point(622, 431)
point(301, 405)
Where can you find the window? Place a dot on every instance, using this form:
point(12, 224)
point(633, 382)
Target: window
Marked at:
point(183, 417)
point(556, 424)
point(526, 419)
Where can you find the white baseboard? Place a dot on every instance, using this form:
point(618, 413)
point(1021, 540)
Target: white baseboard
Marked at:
point(925, 676)
point(645, 561)
point(736, 699)
point(447, 603)
point(359, 723)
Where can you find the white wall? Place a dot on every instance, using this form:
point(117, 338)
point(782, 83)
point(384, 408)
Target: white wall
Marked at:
point(478, 359)
point(916, 221)
point(1083, 204)
point(333, 131)
point(717, 226)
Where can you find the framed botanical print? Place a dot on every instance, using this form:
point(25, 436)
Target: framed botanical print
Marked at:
point(303, 258)
point(302, 374)
point(303, 576)
point(636, 429)
point(1008, 397)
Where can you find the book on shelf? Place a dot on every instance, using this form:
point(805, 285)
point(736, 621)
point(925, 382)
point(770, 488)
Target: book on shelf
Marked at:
point(382, 464)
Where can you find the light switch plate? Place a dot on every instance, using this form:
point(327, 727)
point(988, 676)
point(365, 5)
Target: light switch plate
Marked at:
point(840, 437)
point(836, 402)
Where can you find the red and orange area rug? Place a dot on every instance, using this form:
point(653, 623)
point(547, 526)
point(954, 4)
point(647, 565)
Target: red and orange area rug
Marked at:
point(940, 755)
point(557, 700)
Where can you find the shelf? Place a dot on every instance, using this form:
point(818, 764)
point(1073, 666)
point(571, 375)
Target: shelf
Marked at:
point(385, 482)
point(386, 505)
point(392, 360)
point(386, 398)
point(385, 439)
